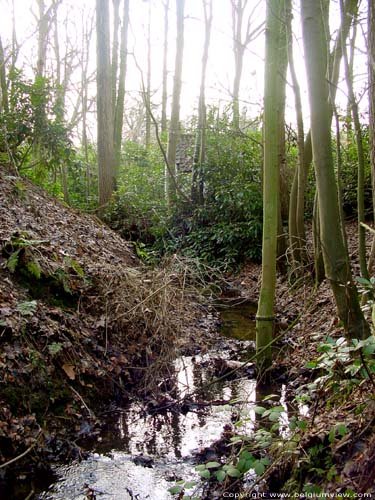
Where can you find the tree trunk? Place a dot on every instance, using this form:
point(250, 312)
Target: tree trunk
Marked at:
point(360, 156)
point(197, 188)
point(336, 261)
point(104, 105)
point(148, 84)
point(174, 126)
point(297, 237)
point(272, 94)
point(115, 50)
point(164, 98)
point(119, 109)
point(4, 103)
point(282, 242)
point(297, 191)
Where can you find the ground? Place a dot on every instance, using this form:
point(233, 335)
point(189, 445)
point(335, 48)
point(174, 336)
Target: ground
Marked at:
point(83, 324)
point(346, 463)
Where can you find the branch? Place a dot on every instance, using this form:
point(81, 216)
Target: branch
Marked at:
point(162, 149)
point(15, 459)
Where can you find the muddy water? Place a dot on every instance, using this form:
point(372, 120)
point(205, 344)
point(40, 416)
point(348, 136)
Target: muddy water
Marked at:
point(141, 453)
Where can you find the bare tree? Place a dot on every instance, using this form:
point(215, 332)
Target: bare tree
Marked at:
point(200, 140)
point(240, 42)
point(104, 104)
point(174, 126)
point(165, 71)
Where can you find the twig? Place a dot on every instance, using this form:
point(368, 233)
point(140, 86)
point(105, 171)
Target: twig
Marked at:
point(15, 459)
point(91, 413)
point(144, 300)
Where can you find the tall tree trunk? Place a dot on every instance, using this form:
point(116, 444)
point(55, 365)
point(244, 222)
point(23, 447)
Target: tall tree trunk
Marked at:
point(148, 84)
point(174, 126)
point(115, 51)
point(4, 103)
point(61, 83)
point(119, 109)
point(282, 242)
point(297, 191)
point(272, 94)
point(297, 237)
point(43, 29)
point(197, 189)
point(104, 105)
point(371, 94)
point(85, 49)
point(360, 156)
point(164, 98)
point(336, 261)
point(240, 42)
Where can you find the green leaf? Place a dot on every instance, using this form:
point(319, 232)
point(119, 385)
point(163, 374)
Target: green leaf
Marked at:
point(259, 410)
point(201, 467)
point(301, 424)
point(212, 465)
point(34, 269)
point(27, 308)
point(271, 396)
point(190, 484)
point(205, 474)
point(324, 348)
point(55, 348)
point(364, 281)
point(13, 261)
point(368, 350)
point(342, 429)
point(233, 472)
point(175, 489)
point(220, 475)
point(3, 322)
point(77, 268)
point(259, 468)
point(311, 364)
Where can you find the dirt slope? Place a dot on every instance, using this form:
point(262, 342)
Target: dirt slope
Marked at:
point(81, 322)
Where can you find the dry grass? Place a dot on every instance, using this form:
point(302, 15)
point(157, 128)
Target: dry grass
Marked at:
point(149, 312)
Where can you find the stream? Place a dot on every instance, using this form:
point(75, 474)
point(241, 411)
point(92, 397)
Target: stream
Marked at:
point(142, 453)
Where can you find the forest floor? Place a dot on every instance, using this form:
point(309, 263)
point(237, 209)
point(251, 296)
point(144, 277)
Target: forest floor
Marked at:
point(83, 324)
point(334, 463)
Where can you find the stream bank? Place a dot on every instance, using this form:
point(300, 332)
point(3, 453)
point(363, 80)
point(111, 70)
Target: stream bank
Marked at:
point(147, 446)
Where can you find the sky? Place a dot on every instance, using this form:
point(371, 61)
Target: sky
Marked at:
point(221, 61)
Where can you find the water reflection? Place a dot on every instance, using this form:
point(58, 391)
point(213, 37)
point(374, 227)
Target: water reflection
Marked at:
point(174, 434)
point(143, 452)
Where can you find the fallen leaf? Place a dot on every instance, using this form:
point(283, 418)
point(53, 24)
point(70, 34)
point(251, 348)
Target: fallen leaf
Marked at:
point(69, 370)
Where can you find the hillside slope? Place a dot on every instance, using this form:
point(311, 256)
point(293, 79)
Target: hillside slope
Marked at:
point(81, 322)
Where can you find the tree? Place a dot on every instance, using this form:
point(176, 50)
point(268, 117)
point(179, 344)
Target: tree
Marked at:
point(174, 126)
point(297, 194)
point(240, 42)
point(104, 105)
point(200, 140)
point(297, 197)
point(371, 80)
point(120, 96)
point(148, 79)
point(165, 71)
point(272, 97)
point(353, 106)
point(336, 261)
point(4, 104)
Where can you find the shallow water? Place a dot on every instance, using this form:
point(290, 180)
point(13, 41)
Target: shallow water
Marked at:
point(141, 454)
